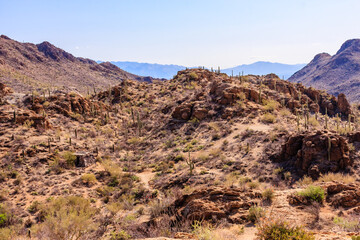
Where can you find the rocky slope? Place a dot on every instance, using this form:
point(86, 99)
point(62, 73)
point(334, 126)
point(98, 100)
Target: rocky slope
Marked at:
point(28, 67)
point(336, 74)
point(187, 158)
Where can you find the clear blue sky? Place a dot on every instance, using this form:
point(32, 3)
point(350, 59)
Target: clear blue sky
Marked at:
point(187, 32)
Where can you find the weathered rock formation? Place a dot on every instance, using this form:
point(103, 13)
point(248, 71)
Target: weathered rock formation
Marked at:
point(315, 153)
point(230, 204)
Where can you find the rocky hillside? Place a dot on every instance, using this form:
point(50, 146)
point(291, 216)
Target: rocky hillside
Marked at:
point(200, 155)
point(336, 74)
point(28, 67)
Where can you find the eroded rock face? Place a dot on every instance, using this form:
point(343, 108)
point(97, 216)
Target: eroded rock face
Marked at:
point(231, 204)
point(4, 90)
point(343, 195)
point(343, 104)
point(34, 120)
point(65, 104)
point(183, 111)
point(315, 153)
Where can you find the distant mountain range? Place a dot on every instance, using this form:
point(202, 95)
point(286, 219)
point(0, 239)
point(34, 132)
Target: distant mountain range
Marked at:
point(168, 71)
point(337, 74)
point(262, 68)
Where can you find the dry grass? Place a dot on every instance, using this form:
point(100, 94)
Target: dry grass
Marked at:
point(268, 118)
point(338, 177)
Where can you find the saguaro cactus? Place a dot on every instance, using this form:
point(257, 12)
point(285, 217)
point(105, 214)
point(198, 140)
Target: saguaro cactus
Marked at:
point(191, 164)
point(329, 148)
point(14, 116)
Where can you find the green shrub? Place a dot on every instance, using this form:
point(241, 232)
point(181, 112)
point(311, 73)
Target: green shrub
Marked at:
point(280, 230)
point(3, 220)
point(314, 193)
point(121, 235)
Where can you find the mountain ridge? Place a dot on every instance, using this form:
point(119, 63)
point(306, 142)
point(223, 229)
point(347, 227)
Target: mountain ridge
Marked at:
point(337, 74)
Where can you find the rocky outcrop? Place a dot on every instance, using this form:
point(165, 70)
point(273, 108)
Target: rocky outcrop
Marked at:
point(33, 120)
point(183, 111)
point(65, 104)
point(343, 195)
point(230, 204)
point(4, 90)
point(315, 153)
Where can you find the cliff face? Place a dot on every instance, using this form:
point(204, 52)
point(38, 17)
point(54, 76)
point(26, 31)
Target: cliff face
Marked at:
point(28, 67)
point(337, 74)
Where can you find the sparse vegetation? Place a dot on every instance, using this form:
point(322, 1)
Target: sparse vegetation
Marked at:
point(281, 230)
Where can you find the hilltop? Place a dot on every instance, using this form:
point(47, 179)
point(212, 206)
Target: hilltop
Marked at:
point(337, 74)
point(203, 153)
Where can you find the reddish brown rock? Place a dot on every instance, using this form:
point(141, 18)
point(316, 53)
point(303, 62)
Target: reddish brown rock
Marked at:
point(230, 204)
point(308, 153)
point(343, 195)
point(343, 104)
point(183, 111)
point(33, 120)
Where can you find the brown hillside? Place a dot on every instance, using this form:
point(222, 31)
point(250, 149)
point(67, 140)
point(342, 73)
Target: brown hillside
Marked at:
point(27, 67)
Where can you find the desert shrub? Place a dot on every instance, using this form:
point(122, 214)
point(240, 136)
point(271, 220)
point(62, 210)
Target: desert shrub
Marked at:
point(120, 235)
point(134, 140)
point(313, 122)
point(3, 219)
point(268, 194)
point(285, 112)
point(355, 237)
point(34, 207)
point(280, 230)
point(339, 177)
point(255, 213)
point(268, 118)
point(203, 231)
point(214, 126)
point(351, 225)
point(193, 76)
point(66, 218)
point(313, 193)
point(306, 180)
point(270, 105)
point(253, 184)
point(278, 171)
point(88, 178)
point(70, 158)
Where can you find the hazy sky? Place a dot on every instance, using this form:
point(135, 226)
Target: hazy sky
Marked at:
point(186, 32)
